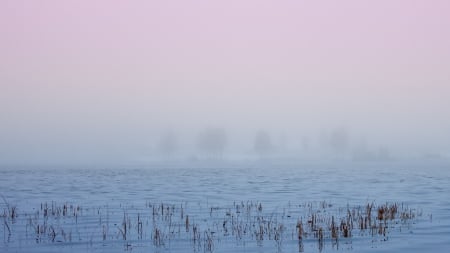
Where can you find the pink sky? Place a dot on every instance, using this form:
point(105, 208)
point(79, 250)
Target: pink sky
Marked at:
point(68, 67)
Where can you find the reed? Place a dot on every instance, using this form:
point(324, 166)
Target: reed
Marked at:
point(205, 228)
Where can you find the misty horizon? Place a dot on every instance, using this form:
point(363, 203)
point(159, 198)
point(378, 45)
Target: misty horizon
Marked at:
point(109, 86)
point(218, 145)
point(224, 126)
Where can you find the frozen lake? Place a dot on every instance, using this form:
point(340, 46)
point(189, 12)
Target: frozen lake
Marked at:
point(227, 209)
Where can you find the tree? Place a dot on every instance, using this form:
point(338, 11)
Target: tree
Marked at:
point(263, 143)
point(212, 141)
point(339, 140)
point(167, 144)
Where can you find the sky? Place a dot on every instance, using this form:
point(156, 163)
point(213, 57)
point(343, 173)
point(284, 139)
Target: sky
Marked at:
point(102, 81)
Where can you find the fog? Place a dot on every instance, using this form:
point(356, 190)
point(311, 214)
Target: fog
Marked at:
point(234, 82)
point(37, 130)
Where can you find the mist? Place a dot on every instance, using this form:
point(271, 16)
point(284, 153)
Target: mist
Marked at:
point(158, 83)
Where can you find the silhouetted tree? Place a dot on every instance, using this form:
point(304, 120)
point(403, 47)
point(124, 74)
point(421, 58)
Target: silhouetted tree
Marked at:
point(305, 143)
point(339, 140)
point(167, 144)
point(263, 144)
point(212, 141)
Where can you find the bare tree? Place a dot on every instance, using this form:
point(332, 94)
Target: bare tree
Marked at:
point(212, 142)
point(168, 144)
point(305, 143)
point(263, 144)
point(339, 140)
